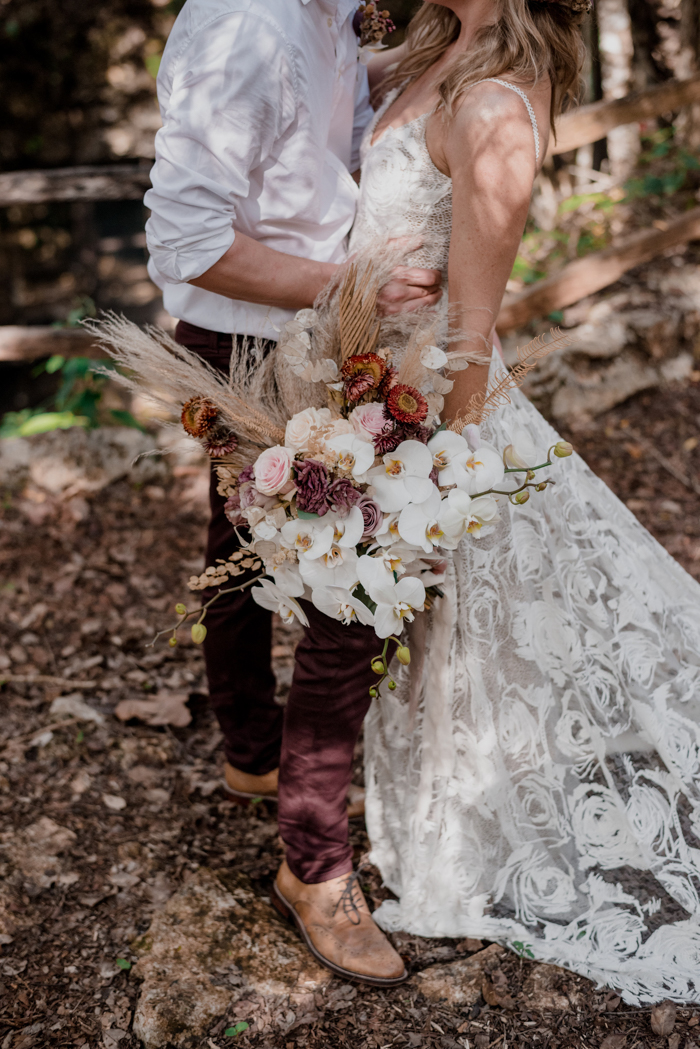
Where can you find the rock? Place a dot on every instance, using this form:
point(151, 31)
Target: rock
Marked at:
point(36, 850)
point(74, 705)
point(459, 982)
point(215, 943)
point(550, 988)
point(592, 391)
point(70, 462)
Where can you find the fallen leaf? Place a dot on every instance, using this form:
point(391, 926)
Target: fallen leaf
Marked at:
point(614, 1041)
point(663, 1018)
point(114, 802)
point(495, 990)
point(165, 708)
point(74, 706)
point(674, 1041)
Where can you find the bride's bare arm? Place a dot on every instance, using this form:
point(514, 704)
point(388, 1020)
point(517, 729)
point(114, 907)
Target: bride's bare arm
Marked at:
point(488, 149)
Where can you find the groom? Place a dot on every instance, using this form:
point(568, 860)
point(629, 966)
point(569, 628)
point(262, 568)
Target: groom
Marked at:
point(264, 105)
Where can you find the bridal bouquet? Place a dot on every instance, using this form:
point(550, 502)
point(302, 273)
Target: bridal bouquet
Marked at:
point(352, 503)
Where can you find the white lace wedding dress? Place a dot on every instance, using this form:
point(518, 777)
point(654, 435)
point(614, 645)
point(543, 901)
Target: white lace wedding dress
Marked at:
point(547, 793)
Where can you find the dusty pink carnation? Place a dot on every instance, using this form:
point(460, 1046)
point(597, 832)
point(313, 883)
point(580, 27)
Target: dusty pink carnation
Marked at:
point(342, 495)
point(312, 487)
point(272, 469)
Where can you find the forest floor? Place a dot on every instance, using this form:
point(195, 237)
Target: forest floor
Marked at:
point(103, 821)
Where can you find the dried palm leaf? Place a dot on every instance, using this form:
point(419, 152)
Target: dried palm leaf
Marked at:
point(481, 405)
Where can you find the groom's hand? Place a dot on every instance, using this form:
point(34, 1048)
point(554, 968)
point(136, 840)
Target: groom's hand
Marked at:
point(410, 288)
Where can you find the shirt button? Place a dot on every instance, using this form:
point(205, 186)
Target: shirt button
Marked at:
point(330, 22)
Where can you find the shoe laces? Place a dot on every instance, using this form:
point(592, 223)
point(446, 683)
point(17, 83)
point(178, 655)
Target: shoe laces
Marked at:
point(347, 899)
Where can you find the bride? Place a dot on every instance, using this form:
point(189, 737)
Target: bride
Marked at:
point(535, 782)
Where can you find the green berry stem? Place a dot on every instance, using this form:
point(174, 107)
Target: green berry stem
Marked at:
point(203, 609)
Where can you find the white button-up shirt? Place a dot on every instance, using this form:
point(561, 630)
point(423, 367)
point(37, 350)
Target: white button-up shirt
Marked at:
point(264, 104)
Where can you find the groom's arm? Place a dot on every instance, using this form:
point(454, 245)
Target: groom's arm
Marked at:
point(224, 114)
point(255, 273)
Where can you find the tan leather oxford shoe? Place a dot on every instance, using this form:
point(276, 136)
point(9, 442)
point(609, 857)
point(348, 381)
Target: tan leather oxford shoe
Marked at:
point(334, 920)
point(245, 787)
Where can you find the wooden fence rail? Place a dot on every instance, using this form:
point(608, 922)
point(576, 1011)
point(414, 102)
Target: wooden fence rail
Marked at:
point(111, 182)
point(589, 123)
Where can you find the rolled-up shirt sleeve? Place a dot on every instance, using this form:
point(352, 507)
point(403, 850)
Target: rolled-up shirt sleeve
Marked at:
point(363, 115)
point(232, 96)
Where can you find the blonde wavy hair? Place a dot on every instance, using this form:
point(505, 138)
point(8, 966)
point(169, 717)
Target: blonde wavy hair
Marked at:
point(530, 40)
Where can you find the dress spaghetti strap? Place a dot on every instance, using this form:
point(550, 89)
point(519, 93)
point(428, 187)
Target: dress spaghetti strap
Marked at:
point(526, 100)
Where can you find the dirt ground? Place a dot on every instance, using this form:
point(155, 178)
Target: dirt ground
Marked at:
point(135, 809)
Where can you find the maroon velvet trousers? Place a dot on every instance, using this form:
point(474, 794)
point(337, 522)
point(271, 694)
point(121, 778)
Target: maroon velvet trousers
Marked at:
point(313, 738)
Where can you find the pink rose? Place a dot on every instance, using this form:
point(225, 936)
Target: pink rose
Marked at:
point(273, 469)
point(369, 420)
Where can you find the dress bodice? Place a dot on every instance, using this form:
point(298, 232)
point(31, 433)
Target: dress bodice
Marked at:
point(402, 192)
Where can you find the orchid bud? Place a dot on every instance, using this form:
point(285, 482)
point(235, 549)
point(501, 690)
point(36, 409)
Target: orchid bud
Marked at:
point(373, 692)
point(562, 449)
point(392, 686)
point(522, 497)
point(541, 486)
point(530, 474)
point(172, 641)
point(180, 608)
point(378, 666)
point(199, 632)
point(403, 654)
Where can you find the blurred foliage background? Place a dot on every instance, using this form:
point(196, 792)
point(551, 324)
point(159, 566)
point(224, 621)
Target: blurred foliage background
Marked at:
point(78, 87)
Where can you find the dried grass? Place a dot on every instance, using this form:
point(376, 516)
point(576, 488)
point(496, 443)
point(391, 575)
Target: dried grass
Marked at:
point(247, 399)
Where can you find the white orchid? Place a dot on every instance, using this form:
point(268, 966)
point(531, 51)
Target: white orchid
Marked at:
point(450, 452)
point(521, 452)
point(483, 467)
point(270, 596)
point(355, 454)
point(337, 567)
point(347, 531)
point(338, 603)
point(388, 532)
point(374, 571)
point(419, 523)
point(403, 477)
point(396, 604)
point(460, 514)
point(310, 538)
point(287, 577)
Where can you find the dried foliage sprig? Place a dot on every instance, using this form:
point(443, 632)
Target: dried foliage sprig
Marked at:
point(247, 399)
point(481, 405)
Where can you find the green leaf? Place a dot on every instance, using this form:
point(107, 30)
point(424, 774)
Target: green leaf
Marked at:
point(126, 419)
point(122, 963)
point(54, 363)
point(581, 934)
point(239, 1028)
point(556, 316)
point(302, 514)
point(44, 422)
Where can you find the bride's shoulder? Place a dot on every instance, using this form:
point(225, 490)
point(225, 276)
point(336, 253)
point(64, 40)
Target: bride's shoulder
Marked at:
point(496, 111)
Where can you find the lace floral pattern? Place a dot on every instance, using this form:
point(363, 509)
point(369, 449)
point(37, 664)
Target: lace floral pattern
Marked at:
point(547, 791)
